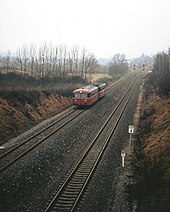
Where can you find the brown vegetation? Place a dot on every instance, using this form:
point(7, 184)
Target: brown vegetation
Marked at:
point(21, 111)
point(152, 149)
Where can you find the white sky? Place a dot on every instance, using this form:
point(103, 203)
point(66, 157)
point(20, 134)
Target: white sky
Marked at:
point(103, 27)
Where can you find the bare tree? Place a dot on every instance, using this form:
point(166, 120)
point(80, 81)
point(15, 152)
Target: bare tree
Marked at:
point(84, 52)
point(55, 61)
point(118, 58)
point(60, 61)
point(64, 61)
point(24, 52)
point(75, 55)
point(22, 59)
point(161, 63)
point(48, 60)
point(32, 58)
point(6, 60)
point(42, 59)
point(70, 65)
point(18, 60)
point(90, 61)
point(118, 66)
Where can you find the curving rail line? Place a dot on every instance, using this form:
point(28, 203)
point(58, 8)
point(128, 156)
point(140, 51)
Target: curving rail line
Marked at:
point(13, 154)
point(70, 193)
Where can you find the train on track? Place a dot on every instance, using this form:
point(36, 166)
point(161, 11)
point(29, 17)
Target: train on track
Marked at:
point(89, 94)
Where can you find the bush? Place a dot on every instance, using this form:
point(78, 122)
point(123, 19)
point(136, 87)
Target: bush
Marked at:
point(164, 85)
point(18, 82)
point(160, 82)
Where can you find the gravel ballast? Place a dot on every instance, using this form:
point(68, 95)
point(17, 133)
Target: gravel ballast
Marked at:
point(28, 184)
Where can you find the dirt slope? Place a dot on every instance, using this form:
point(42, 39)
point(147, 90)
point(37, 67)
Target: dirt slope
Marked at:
point(152, 154)
point(155, 128)
point(20, 110)
point(158, 139)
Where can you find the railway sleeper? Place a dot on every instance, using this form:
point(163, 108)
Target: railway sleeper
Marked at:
point(65, 201)
point(59, 207)
point(84, 169)
point(74, 186)
point(70, 193)
point(83, 173)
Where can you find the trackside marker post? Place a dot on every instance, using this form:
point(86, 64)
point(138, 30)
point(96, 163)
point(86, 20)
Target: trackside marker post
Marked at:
point(131, 131)
point(123, 158)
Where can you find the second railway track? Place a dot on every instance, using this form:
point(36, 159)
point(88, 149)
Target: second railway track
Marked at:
point(8, 157)
point(70, 193)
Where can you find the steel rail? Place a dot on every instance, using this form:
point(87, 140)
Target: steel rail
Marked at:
point(9, 162)
point(53, 123)
point(70, 204)
point(33, 136)
point(102, 150)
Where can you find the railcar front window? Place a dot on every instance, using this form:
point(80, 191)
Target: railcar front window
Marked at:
point(80, 95)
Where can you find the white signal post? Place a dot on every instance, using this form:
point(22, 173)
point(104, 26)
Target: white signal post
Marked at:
point(123, 158)
point(131, 131)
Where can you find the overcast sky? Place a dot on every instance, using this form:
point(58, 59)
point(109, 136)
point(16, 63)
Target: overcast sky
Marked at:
point(103, 27)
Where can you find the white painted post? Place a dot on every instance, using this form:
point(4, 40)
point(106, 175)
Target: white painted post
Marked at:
point(130, 141)
point(123, 161)
point(123, 158)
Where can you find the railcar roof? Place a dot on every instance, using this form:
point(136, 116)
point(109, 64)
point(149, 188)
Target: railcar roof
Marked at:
point(86, 89)
point(99, 84)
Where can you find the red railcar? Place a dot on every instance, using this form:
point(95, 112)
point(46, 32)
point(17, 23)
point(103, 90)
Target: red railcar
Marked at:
point(89, 94)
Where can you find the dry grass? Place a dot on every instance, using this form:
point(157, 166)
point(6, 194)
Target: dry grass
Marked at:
point(152, 153)
point(159, 137)
point(20, 112)
point(97, 77)
point(153, 136)
point(158, 140)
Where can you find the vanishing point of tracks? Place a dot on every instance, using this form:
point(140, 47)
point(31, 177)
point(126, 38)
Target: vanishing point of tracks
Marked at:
point(70, 193)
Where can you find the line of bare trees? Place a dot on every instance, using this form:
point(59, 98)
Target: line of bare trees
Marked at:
point(160, 78)
point(49, 61)
point(162, 62)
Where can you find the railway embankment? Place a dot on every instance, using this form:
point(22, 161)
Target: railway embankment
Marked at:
point(21, 110)
point(26, 101)
point(151, 157)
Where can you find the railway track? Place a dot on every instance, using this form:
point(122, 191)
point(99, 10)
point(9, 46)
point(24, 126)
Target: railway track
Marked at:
point(10, 156)
point(71, 191)
point(15, 153)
